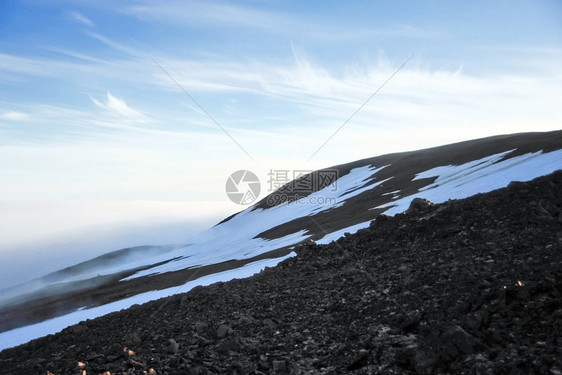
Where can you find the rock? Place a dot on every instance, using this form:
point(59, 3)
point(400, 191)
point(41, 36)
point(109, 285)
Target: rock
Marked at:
point(418, 205)
point(279, 366)
point(245, 319)
point(424, 361)
point(133, 338)
point(202, 340)
point(410, 321)
point(463, 342)
point(197, 370)
point(318, 362)
point(518, 292)
point(223, 331)
point(116, 349)
point(443, 344)
point(480, 363)
point(132, 363)
point(474, 320)
point(406, 347)
point(173, 346)
point(359, 361)
point(96, 358)
point(78, 328)
point(229, 345)
point(201, 327)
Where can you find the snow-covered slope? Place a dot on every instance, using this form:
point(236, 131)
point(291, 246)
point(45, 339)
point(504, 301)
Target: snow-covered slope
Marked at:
point(264, 234)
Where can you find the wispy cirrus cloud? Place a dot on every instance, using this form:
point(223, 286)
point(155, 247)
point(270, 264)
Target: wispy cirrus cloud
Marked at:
point(201, 12)
point(118, 107)
point(301, 90)
point(211, 13)
point(328, 94)
point(298, 92)
point(77, 16)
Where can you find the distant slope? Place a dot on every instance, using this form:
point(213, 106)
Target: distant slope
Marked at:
point(84, 275)
point(266, 232)
point(401, 169)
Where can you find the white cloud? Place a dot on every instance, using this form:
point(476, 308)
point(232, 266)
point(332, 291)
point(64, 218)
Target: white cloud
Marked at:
point(118, 107)
point(310, 98)
point(13, 116)
point(317, 96)
point(81, 18)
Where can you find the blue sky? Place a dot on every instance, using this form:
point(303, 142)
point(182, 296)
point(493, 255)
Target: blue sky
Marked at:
point(87, 116)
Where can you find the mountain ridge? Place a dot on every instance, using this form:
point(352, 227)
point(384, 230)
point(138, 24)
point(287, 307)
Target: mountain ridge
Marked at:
point(466, 286)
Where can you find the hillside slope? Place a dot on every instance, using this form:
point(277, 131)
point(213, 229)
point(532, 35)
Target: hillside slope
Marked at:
point(265, 233)
point(468, 286)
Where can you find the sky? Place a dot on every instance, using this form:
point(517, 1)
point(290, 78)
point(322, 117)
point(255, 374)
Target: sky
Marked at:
point(120, 122)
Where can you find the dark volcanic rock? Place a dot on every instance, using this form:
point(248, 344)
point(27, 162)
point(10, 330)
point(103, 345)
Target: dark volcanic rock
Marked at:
point(173, 346)
point(444, 344)
point(470, 286)
point(418, 204)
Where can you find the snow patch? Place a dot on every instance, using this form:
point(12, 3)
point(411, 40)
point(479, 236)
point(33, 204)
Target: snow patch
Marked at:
point(339, 233)
point(479, 176)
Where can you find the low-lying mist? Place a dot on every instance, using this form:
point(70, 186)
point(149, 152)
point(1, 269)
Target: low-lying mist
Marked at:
point(46, 238)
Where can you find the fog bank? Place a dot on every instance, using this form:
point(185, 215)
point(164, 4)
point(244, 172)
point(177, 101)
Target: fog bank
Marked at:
point(42, 237)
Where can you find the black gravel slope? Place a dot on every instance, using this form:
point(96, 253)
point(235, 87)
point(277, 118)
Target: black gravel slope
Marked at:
point(470, 287)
